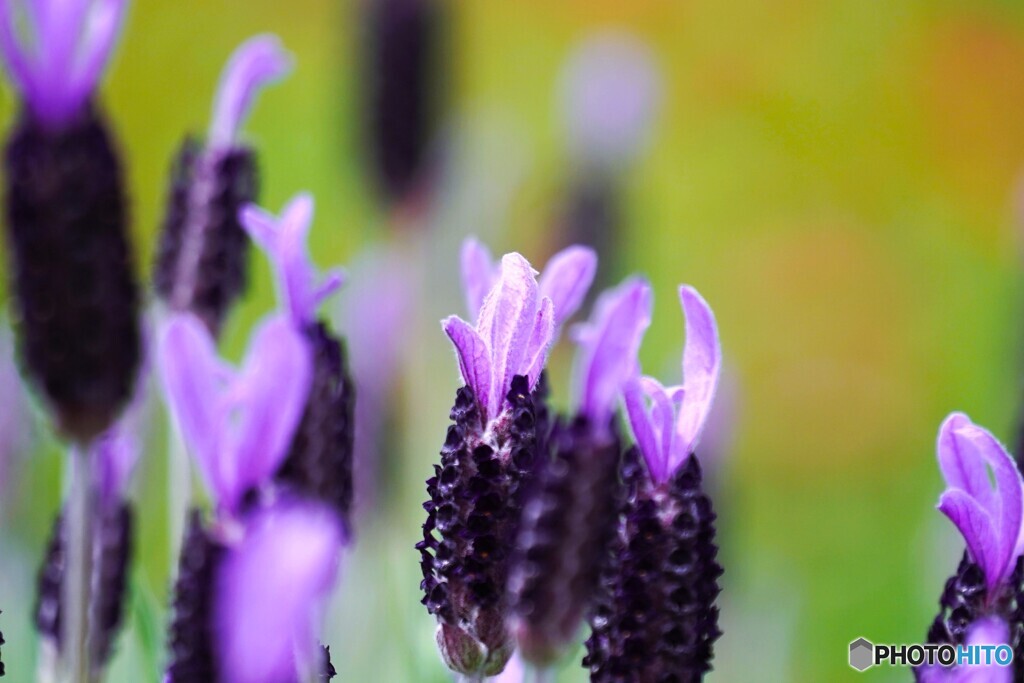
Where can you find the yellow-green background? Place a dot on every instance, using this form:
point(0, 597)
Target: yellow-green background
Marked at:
point(836, 177)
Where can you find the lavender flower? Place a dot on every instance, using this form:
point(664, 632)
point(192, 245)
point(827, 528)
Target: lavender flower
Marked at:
point(664, 560)
point(987, 584)
point(319, 462)
point(201, 262)
point(984, 631)
point(569, 517)
point(71, 264)
point(474, 501)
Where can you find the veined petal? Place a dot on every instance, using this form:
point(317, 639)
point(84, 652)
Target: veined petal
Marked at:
point(255, 63)
point(702, 363)
point(961, 464)
point(478, 274)
point(662, 417)
point(270, 590)
point(540, 341)
point(567, 278)
point(474, 357)
point(643, 429)
point(978, 530)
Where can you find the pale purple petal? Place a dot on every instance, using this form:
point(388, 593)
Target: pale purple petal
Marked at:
point(608, 346)
point(113, 456)
point(662, 418)
point(567, 278)
point(263, 408)
point(98, 41)
point(702, 363)
point(478, 274)
point(507, 318)
point(978, 529)
point(540, 341)
point(255, 63)
point(959, 461)
point(985, 631)
point(271, 589)
point(474, 358)
point(643, 429)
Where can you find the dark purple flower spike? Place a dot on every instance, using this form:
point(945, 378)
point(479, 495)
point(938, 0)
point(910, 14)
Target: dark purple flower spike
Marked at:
point(201, 262)
point(666, 528)
point(475, 498)
point(569, 515)
point(70, 261)
point(319, 461)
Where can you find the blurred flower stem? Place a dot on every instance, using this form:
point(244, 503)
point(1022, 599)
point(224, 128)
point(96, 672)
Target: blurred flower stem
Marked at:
point(77, 580)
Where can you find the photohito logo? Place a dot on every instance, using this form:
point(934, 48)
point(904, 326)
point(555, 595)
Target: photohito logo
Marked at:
point(864, 655)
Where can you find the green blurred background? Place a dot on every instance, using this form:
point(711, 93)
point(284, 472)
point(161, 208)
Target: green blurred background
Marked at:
point(837, 178)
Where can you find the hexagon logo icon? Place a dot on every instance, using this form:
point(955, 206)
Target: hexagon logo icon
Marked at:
point(862, 654)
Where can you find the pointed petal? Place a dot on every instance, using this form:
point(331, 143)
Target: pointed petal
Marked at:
point(961, 465)
point(643, 429)
point(474, 357)
point(270, 590)
point(977, 528)
point(255, 63)
point(662, 417)
point(478, 274)
point(507, 318)
point(540, 341)
point(607, 356)
point(567, 278)
point(702, 363)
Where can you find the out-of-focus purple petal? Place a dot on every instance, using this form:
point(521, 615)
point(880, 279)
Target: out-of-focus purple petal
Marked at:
point(567, 278)
point(271, 589)
point(478, 274)
point(641, 423)
point(702, 362)
point(474, 357)
point(608, 346)
point(985, 631)
point(978, 530)
point(541, 338)
point(97, 43)
point(255, 63)
point(507, 318)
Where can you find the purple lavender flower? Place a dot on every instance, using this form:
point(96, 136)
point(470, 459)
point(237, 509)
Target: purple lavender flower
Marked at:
point(270, 589)
point(319, 461)
point(475, 500)
point(71, 264)
point(984, 631)
point(987, 584)
point(664, 563)
point(201, 262)
point(569, 515)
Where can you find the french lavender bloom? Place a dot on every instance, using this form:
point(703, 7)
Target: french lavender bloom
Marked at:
point(67, 221)
point(474, 505)
point(984, 596)
point(569, 514)
point(201, 262)
point(319, 461)
point(663, 563)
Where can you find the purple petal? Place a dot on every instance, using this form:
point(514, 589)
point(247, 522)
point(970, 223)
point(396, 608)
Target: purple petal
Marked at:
point(662, 418)
point(98, 41)
point(474, 357)
point(702, 362)
point(961, 465)
point(507, 318)
point(978, 530)
point(271, 589)
point(540, 341)
point(567, 278)
point(985, 631)
point(263, 408)
point(609, 343)
point(255, 63)
point(641, 423)
point(478, 274)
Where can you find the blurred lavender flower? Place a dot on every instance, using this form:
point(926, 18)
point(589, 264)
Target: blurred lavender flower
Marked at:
point(474, 496)
point(71, 263)
point(271, 588)
point(984, 631)
point(319, 462)
point(664, 564)
point(988, 581)
point(201, 262)
point(569, 514)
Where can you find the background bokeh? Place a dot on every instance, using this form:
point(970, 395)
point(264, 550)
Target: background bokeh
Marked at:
point(839, 179)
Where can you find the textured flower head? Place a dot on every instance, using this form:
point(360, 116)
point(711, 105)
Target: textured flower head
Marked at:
point(270, 590)
point(667, 421)
point(985, 631)
point(255, 63)
point(988, 517)
point(238, 423)
point(608, 345)
point(283, 238)
point(57, 61)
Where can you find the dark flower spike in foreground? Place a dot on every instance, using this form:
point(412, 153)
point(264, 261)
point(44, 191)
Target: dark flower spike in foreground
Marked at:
point(656, 619)
point(984, 596)
point(474, 506)
point(238, 423)
point(569, 517)
point(71, 266)
point(201, 263)
point(319, 462)
point(271, 589)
